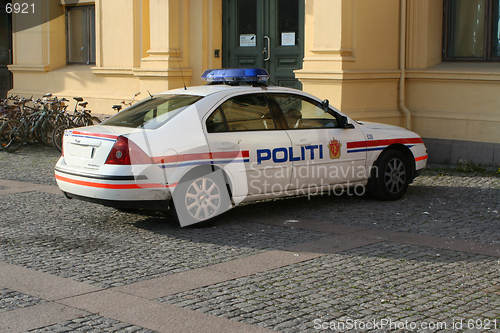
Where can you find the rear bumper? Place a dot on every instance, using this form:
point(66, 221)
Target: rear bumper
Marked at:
point(115, 191)
point(156, 205)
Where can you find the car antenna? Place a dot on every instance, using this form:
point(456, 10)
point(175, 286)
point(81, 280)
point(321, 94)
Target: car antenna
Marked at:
point(180, 68)
point(149, 94)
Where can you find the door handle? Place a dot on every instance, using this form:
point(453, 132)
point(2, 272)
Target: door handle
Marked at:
point(303, 142)
point(226, 146)
point(268, 48)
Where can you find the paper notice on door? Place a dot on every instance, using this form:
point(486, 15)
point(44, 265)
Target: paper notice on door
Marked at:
point(288, 38)
point(248, 40)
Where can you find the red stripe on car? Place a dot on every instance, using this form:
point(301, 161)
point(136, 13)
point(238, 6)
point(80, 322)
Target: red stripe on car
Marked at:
point(98, 135)
point(387, 142)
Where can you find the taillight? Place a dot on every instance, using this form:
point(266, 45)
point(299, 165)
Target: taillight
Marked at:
point(126, 152)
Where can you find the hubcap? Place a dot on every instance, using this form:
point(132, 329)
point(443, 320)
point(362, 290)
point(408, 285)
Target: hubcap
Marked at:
point(395, 175)
point(203, 199)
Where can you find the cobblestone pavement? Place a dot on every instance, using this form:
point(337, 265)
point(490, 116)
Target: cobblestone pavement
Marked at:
point(94, 323)
point(461, 206)
point(386, 280)
point(32, 163)
point(13, 300)
point(107, 248)
point(104, 247)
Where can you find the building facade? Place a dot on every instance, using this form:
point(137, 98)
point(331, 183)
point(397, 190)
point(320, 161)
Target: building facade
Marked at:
point(428, 65)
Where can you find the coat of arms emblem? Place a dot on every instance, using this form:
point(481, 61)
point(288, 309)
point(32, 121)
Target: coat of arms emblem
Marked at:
point(334, 146)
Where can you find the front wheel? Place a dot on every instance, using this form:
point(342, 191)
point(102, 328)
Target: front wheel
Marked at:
point(391, 176)
point(12, 135)
point(199, 200)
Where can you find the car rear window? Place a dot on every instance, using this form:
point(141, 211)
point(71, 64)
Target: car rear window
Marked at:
point(153, 112)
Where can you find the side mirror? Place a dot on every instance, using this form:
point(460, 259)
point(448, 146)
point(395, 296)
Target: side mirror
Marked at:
point(325, 105)
point(343, 123)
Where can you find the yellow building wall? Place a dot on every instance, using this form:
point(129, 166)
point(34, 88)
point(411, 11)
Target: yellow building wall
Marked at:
point(355, 65)
point(141, 45)
point(448, 100)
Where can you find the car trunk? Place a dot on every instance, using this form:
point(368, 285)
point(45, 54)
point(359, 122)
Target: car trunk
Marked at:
point(89, 147)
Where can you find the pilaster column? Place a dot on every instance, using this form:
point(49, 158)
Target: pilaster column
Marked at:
point(328, 46)
point(328, 35)
point(168, 55)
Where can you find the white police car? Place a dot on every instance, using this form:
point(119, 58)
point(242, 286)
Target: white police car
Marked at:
point(201, 150)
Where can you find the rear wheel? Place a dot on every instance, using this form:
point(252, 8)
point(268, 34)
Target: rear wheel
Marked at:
point(57, 136)
point(392, 175)
point(199, 200)
point(12, 135)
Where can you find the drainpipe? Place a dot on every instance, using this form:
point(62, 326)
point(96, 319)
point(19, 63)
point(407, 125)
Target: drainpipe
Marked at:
point(402, 64)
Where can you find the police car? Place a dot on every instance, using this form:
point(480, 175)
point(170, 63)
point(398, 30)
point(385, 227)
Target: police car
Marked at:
point(199, 151)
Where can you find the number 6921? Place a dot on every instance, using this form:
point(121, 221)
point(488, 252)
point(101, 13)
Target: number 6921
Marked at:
point(20, 8)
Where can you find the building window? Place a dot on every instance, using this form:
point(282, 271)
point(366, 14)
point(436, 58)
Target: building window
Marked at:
point(471, 30)
point(80, 34)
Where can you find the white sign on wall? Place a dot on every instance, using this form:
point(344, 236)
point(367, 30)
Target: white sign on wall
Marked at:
point(288, 38)
point(248, 40)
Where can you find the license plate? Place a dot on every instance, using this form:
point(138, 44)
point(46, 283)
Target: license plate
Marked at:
point(81, 151)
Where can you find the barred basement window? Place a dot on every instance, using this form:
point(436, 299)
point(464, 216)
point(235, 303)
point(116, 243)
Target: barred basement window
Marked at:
point(80, 34)
point(471, 30)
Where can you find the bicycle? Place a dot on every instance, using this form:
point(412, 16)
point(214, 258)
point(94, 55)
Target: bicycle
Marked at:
point(119, 107)
point(16, 132)
point(48, 119)
point(80, 118)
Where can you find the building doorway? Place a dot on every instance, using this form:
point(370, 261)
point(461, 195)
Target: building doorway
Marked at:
point(267, 34)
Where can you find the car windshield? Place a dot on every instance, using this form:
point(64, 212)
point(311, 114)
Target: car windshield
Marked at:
point(153, 112)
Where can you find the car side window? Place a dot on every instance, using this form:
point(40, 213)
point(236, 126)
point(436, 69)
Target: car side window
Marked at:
point(242, 113)
point(302, 112)
point(216, 123)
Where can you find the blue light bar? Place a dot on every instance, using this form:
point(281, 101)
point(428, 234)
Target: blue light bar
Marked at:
point(236, 75)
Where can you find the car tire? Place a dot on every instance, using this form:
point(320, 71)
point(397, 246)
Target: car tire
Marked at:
point(200, 200)
point(391, 176)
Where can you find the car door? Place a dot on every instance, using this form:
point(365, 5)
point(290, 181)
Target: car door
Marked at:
point(243, 136)
point(320, 146)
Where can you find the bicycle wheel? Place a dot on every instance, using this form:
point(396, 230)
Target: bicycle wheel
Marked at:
point(12, 135)
point(45, 133)
point(33, 134)
point(57, 136)
point(80, 121)
point(95, 120)
point(87, 120)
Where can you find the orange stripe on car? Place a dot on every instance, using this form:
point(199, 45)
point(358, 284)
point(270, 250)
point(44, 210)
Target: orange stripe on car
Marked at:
point(112, 186)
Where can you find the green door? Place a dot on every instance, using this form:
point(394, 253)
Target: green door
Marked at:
point(267, 34)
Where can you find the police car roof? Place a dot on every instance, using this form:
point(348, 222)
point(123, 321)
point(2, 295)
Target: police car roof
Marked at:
point(209, 89)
